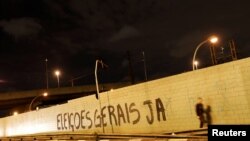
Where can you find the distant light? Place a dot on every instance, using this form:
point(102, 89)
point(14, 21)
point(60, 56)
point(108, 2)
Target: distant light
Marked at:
point(57, 72)
point(15, 113)
point(45, 94)
point(213, 39)
point(112, 90)
point(196, 63)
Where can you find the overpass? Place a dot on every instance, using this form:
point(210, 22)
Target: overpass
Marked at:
point(20, 100)
point(146, 110)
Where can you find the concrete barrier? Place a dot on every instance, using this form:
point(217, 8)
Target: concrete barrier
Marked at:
point(163, 105)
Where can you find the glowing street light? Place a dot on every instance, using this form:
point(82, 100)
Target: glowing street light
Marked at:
point(15, 113)
point(57, 73)
point(44, 95)
point(196, 64)
point(212, 40)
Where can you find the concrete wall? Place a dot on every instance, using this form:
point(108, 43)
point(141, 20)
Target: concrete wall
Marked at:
point(163, 105)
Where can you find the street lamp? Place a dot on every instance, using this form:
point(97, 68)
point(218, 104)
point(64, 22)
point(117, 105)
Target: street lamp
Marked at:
point(44, 95)
point(145, 68)
point(47, 76)
point(96, 79)
point(57, 73)
point(15, 113)
point(196, 64)
point(212, 40)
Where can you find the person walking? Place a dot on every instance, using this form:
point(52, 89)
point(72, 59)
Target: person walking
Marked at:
point(200, 111)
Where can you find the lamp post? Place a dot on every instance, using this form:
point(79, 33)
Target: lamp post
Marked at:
point(145, 68)
point(96, 79)
point(47, 76)
point(211, 39)
point(57, 73)
point(44, 95)
point(97, 87)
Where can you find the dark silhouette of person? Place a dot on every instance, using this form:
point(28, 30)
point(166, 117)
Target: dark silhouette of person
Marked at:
point(200, 111)
point(208, 115)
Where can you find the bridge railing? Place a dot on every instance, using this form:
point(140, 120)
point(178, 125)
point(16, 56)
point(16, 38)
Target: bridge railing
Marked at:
point(191, 135)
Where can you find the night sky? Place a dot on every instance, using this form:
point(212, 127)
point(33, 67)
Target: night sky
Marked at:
point(72, 34)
